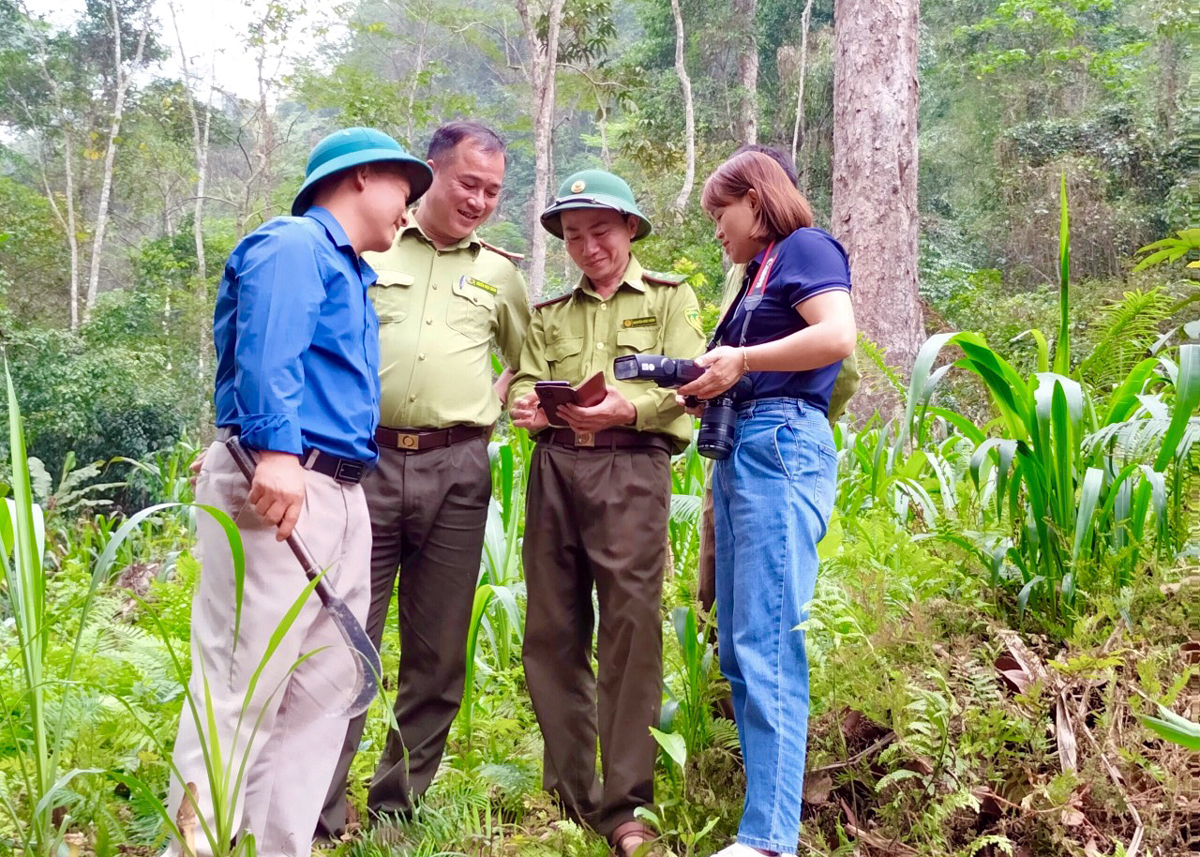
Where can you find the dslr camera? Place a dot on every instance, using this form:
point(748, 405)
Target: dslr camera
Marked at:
point(715, 439)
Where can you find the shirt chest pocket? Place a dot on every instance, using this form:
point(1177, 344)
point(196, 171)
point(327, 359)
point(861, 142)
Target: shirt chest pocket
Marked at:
point(564, 354)
point(391, 295)
point(638, 340)
point(470, 310)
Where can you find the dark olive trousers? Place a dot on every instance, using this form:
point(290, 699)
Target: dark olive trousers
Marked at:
point(428, 516)
point(596, 518)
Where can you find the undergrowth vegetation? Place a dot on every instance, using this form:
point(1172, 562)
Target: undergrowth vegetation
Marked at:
point(1005, 636)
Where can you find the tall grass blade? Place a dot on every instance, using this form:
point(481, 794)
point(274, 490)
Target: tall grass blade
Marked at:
point(1062, 353)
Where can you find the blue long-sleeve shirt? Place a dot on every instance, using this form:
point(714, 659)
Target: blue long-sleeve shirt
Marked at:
point(297, 340)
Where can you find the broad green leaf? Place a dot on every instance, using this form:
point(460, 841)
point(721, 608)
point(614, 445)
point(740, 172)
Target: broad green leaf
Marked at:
point(922, 366)
point(1174, 728)
point(673, 745)
point(1093, 483)
point(831, 544)
point(1187, 398)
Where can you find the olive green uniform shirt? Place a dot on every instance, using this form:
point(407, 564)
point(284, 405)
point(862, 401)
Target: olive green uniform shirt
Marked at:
point(575, 336)
point(848, 377)
point(440, 311)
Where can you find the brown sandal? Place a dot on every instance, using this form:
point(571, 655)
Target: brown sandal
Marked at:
point(634, 839)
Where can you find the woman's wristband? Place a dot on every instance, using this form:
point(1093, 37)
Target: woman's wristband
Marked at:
point(745, 361)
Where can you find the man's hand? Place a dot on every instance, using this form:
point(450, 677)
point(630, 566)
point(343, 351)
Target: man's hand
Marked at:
point(195, 466)
point(501, 385)
point(696, 410)
point(277, 492)
point(615, 410)
point(723, 366)
point(528, 414)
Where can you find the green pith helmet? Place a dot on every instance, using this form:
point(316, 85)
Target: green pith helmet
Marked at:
point(353, 147)
point(593, 189)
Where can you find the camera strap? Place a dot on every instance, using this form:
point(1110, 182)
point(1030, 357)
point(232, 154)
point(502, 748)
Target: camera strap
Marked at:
point(753, 297)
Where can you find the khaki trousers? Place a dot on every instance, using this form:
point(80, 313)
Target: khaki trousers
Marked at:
point(284, 732)
point(428, 517)
point(596, 518)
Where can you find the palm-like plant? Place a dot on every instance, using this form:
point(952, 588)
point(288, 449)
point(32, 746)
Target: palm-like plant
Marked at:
point(1056, 485)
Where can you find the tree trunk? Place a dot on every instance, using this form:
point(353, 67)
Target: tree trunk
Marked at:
point(746, 11)
point(200, 147)
point(71, 226)
point(266, 138)
point(798, 129)
point(543, 63)
point(875, 174)
point(68, 222)
point(689, 113)
point(121, 83)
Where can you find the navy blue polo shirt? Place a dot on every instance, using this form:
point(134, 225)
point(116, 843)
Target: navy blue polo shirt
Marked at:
point(810, 262)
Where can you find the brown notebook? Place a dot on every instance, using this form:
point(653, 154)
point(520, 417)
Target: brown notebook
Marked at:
point(551, 394)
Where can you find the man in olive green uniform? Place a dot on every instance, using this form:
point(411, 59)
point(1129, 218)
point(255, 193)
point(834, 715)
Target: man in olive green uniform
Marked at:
point(598, 503)
point(444, 298)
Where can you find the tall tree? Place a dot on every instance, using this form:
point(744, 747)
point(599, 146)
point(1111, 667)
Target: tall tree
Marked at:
point(798, 129)
point(689, 113)
point(32, 62)
point(541, 69)
point(122, 79)
point(200, 142)
point(875, 167)
point(746, 12)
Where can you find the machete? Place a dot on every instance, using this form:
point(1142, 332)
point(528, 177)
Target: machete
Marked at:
point(366, 661)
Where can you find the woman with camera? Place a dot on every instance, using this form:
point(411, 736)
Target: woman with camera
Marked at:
point(787, 332)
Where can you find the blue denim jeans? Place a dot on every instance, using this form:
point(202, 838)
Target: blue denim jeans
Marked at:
point(772, 498)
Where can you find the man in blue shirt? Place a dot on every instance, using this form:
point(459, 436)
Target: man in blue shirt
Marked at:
point(298, 379)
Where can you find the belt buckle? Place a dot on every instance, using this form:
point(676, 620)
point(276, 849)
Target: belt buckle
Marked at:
point(585, 439)
point(408, 440)
point(348, 471)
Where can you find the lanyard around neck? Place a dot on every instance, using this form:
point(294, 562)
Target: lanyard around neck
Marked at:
point(753, 296)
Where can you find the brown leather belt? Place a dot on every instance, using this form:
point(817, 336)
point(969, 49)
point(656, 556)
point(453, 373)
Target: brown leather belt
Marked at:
point(414, 440)
point(609, 439)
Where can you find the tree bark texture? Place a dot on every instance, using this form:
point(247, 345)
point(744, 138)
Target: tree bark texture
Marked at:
point(689, 112)
point(875, 172)
point(541, 69)
point(746, 12)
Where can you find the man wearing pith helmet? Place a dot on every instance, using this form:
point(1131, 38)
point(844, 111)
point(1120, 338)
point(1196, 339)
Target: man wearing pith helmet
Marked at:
point(297, 379)
point(598, 503)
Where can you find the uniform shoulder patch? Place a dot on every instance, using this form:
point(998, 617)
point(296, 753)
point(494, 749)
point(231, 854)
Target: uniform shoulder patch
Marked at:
point(660, 279)
point(553, 301)
point(507, 254)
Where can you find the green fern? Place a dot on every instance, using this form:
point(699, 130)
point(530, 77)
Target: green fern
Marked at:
point(1126, 331)
point(723, 734)
point(876, 356)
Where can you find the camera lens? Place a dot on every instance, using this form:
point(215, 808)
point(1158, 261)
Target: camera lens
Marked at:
point(715, 439)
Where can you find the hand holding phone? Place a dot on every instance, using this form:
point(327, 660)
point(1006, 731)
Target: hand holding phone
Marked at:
point(552, 394)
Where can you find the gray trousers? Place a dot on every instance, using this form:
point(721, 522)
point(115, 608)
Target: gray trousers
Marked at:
point(290, 758)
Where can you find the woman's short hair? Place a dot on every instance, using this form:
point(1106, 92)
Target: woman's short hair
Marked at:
point(782, 209)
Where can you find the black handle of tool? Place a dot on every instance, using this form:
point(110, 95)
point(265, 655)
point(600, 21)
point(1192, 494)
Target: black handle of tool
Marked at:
point(246, 464)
